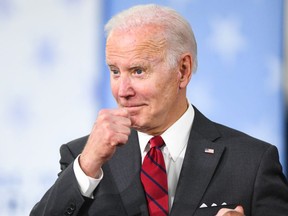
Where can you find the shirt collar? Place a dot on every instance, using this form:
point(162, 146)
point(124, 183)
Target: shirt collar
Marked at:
point(175, 137)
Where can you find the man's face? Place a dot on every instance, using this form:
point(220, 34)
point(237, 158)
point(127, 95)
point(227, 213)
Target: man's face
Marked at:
point(141, 81)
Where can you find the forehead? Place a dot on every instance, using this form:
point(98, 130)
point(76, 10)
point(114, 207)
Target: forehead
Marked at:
point(146, 43)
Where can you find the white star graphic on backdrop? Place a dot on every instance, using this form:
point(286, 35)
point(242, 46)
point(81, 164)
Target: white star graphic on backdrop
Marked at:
point(226, 38)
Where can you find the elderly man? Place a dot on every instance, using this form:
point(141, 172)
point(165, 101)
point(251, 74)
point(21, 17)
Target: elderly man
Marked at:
point(156, 154)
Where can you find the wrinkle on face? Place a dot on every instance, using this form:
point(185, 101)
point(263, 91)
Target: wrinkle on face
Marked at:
point(149, 47)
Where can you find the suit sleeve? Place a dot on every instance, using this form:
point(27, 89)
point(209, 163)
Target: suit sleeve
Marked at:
point(270, 196)
point(64, 197)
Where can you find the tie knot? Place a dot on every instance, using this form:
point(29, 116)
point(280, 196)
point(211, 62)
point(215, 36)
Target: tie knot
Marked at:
point(156, 141)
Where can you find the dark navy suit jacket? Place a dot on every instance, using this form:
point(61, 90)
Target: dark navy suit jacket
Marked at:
point(241, 171)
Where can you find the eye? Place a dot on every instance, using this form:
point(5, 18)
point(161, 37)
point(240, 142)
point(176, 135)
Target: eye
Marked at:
point(138, 71)
point(115, 72)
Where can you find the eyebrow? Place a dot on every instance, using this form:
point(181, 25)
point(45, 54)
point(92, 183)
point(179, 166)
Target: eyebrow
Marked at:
point(111, 65)
point(144, 62)
point(138, 64)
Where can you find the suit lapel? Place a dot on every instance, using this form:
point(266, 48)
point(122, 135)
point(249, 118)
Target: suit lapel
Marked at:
point(125, 167)
point(198, 166)
point(197, 170)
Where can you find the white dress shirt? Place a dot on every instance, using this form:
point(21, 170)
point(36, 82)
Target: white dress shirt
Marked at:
point(176, 139)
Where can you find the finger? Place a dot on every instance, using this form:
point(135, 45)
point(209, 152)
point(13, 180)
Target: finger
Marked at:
point(121, 112)
point(120, 120)
point(224, 212)
point(119, 139)
point(114, 115)
point(122, 128)
point(114, 112)
point(239, 209)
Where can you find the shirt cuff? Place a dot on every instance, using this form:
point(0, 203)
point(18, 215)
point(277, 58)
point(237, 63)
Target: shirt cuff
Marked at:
point(86, 183)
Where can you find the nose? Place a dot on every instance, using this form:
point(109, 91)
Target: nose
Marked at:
point(125, 89)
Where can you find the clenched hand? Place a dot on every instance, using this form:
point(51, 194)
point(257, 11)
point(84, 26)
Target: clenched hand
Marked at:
point(112, 128)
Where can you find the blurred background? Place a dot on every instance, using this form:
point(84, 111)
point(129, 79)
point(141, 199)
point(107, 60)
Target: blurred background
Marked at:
point(54, 79)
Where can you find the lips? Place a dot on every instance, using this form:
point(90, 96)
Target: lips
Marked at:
point(130, 106)
point(132, 109)
point(126, 104)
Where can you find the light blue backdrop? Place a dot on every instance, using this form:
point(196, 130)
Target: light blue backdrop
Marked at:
point(54, 79)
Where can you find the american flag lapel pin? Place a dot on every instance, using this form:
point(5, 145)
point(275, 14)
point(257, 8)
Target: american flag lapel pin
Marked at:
point(209, 151)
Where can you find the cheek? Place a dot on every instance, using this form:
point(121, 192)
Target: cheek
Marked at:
point(159, 96)
point(168, 88)
point(114, 89)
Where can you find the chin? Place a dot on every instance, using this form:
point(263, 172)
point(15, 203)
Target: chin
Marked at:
point(136, 124)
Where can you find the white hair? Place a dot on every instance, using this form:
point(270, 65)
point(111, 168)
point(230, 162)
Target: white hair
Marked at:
point(177, 31)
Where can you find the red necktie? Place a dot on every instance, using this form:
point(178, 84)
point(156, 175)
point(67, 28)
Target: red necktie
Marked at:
point(154, 179)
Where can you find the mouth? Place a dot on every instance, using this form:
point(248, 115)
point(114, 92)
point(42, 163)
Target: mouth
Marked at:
point(133, 109)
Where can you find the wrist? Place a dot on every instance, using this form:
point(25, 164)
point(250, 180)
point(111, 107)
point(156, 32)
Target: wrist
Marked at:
point(90, 167)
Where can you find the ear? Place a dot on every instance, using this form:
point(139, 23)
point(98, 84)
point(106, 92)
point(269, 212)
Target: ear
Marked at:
point(185, 70)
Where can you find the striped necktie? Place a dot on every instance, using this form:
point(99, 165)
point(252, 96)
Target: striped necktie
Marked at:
point(154, 179)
